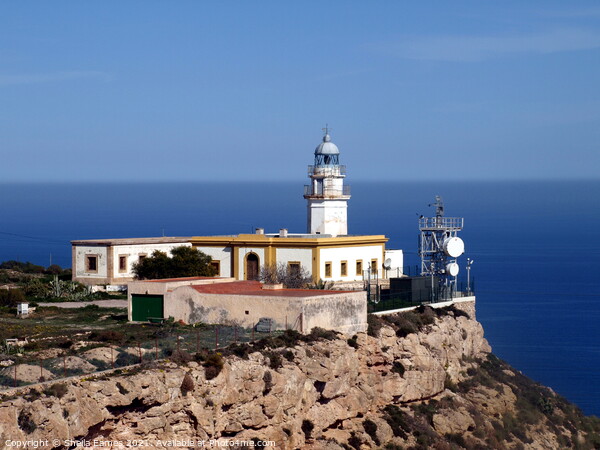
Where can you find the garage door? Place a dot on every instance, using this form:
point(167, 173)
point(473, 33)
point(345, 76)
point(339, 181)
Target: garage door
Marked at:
point(144, 306)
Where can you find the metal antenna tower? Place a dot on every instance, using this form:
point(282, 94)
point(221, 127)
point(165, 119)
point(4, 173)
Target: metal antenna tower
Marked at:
point(439, 246)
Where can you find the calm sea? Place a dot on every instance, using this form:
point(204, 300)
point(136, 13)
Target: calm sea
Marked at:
point(535, 246)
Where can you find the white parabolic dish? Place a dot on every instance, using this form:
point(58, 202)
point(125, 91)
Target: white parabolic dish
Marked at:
point(452, 269)
point(454, 247)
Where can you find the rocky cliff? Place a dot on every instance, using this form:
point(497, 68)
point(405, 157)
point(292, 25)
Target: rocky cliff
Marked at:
point(423, 379)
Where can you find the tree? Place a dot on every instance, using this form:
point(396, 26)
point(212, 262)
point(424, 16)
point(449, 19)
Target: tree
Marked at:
point(290, 277)
point(184, 262)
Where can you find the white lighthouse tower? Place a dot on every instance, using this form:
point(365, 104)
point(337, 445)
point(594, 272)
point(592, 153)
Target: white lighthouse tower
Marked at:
point(327, 196)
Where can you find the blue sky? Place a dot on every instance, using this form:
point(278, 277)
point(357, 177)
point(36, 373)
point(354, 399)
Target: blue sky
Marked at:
point(191, 90)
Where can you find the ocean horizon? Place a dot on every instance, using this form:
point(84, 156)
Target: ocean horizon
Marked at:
point(533, 242)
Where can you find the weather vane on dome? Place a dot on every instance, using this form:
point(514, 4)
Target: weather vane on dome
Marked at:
point(326, 129)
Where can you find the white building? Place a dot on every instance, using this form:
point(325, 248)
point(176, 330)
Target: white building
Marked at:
point(326, 251)
point(110, 261)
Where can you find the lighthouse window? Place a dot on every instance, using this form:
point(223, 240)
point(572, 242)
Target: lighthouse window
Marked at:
point(344, 268)
point(328, 269)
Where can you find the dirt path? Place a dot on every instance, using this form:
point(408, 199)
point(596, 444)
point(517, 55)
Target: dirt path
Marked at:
point(100, 303)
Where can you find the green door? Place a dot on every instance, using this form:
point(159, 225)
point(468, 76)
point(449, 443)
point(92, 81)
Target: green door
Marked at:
point(144, 306)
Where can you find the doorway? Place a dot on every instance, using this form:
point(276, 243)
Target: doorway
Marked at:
point(252, 266)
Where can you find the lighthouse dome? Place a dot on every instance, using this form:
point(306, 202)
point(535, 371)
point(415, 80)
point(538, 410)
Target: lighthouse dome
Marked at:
point(327, 147)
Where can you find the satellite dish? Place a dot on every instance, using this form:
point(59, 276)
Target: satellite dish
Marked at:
point(452, 269)
point(387, 264)
point(453, 247)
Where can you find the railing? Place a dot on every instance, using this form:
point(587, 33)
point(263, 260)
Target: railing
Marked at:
point(384, 300)
point(426, 223)
point(327, 170)
point(309, 189)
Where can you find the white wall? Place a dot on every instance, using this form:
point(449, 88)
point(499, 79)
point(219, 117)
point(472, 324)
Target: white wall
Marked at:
point(302, 255)
point(242, 252)
point(222, 254)
point(81, 252)
point(133, 253)
point(350, 255)
point(328, 217)
point(397, 262)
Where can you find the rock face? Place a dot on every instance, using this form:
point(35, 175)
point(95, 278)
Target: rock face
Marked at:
point(361, 393)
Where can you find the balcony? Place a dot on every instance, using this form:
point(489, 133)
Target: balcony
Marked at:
point(310, 191)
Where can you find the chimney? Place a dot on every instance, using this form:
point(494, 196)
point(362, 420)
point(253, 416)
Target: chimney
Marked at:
point(260, 231)
point(283, 232)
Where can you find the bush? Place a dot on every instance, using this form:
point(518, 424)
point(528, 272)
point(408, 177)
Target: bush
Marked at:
point(107, 336)
point(371, 429)
point(187, 385)
point(180, 357)
point(11, 297)
point(275, 360)
point(25, 422)
point(397, 420)
point(374, 325)
point(57, 390)
point(398, 367)
point(353, 341)
point(307, 428)
point(213, 365)
point(268, 380)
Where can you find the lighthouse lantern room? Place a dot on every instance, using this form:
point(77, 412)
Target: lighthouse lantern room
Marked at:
point(326, 195)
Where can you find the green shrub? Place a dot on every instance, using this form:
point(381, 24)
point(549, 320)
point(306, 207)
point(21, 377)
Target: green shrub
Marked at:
point(268, 380)
point(374, 324)
point(398, 367)
point(11, 297)
point(397, 420)
point(353, 341)
point(213, 365)
point(371, 429)
point(57, 390)
point(307, 428)
point(187, 385)
point(25, 422)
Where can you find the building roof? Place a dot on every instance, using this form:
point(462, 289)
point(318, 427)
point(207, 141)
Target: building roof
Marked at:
point(291, 241)
point(327, 147)
point(174, 280)
point(134, 241)
point(255, 288)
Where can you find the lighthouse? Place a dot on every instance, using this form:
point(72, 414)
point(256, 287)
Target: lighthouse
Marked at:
point(327, 197)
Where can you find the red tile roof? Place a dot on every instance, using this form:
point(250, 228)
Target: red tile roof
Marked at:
point(169, 280)
point(255, 288)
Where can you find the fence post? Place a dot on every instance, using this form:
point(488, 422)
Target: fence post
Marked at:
point(64, 366)
point(178, 347)
point(216, 337)
point(140, 351)
point(41, 370)
point(197, 341)
point(155, 347)
point(15, 375)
